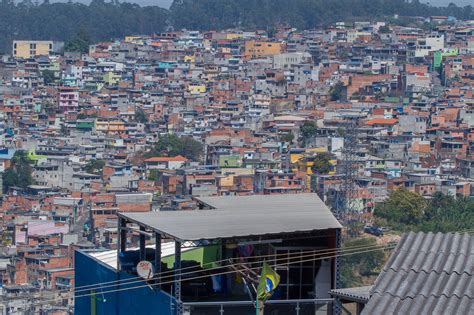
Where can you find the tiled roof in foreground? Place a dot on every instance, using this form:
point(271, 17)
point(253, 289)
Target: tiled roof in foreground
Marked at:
point(426, 274)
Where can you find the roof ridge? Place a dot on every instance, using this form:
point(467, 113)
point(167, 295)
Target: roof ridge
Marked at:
point(423, 295)
point(455, 253)
point(430, 271)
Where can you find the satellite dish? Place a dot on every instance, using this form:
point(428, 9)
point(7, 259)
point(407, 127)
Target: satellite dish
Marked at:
point(145, 269)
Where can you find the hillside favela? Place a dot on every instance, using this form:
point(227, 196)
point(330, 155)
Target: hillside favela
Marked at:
point(237, 157)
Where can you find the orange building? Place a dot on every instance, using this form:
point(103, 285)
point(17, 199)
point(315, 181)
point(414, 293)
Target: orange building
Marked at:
point(259, 49)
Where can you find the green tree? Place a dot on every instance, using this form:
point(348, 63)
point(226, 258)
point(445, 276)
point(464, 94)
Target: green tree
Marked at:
point(384, 29)
point(336, 92)
point(153, 175)
point(359, 266)
point(94, 166)
point(106, 20)
point(287, 137)
point(308, 130)
point(140, 116)
point(271, 32)
point(48, 76)
point(172, 145)
point(402, 208)
point(19, 173)
point(442, 213)
point(80, 43)
point(445, 213)
point(322, 163)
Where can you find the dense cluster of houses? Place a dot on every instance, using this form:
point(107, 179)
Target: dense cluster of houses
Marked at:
point(404, 95)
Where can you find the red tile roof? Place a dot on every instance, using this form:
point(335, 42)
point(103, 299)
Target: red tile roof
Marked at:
point(177, 158)
point(382, 121)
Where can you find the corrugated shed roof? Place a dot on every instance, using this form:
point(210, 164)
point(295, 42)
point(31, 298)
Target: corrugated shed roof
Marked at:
point(133, 198)
point(358, 294)
point(236, 216)
point(46, 227)
point(426, 274)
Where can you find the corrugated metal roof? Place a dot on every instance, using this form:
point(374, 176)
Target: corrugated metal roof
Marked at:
point(357, 294)
point(236, 216)
point(426, 274)
point(133, 198)
point(46, 227)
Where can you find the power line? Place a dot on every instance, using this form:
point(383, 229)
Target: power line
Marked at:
point(310, 252)
point(97, 285)
point(295, 255)
point(223, 260)
point(173, 271)
point(157, 276)
point(392, 246)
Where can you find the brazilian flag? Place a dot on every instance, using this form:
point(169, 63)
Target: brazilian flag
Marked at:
point(269, 280)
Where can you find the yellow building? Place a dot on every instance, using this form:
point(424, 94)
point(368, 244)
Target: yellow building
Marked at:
point(112, 78)
point(303, 162)
point(298, 155)
point(232, 36)
point(259, 49)
point(189, 59)
point(196, 89)
point(31, 48)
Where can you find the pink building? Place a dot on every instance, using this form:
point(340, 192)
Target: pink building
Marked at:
point(68, 99)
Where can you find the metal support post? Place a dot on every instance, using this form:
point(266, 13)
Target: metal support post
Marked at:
point(337, 271)
point(122, 239)
point(158, 259)
point(142, 244)
point(177, 278)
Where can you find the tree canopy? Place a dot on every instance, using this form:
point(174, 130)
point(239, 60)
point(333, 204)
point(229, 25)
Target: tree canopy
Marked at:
point(303, 14)
point(80, 43)
point(172, 145)
point(287, 137)
point(336, 92)
point(140, 116)
point(322, 163)
point(100, 20)
point(308, 130)
point(19, 173)
point(48, 76)
point(356, 267)
point(107, 20)
point(95, 166)
point(402, 206)
point(405, 210)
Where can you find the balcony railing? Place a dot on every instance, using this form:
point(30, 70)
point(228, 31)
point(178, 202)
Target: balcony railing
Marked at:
point(287, 307)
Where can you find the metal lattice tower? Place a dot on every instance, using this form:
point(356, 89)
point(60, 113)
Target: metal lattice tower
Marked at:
point(345, 207)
